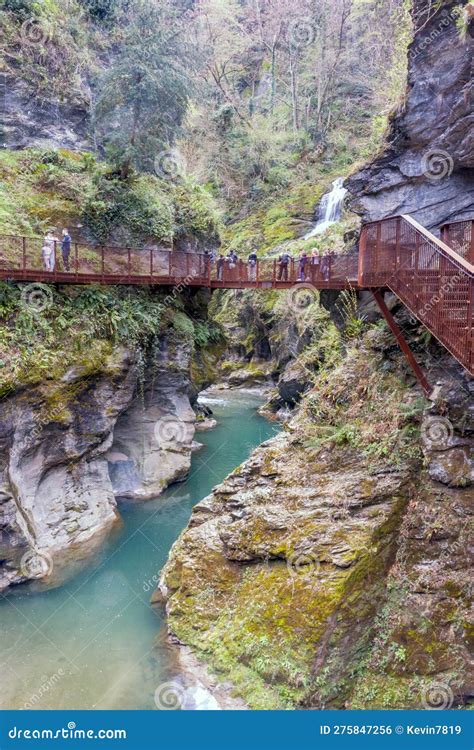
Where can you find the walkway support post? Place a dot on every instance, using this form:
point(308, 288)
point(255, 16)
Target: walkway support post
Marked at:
point(419, 374)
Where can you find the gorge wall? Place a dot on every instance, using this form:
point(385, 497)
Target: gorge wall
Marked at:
point(428, 168)
point(70, 447)
point(292, 577)
point(333, 568)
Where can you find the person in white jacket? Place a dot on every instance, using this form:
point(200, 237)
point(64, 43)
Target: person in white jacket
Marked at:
point(48, 252)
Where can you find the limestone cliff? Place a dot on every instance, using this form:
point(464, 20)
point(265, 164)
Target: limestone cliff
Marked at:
point(71, 447)
point(427, 169)
point(153, 437)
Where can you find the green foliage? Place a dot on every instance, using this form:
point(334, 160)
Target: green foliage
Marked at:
point(82, 324)
point(22, 8)
point(133, 210)
point(143, 94)
point(354, 320)
point(464, 20)
point(50, 68)
point(101, 10)
point(195, 211)
point(40, 188)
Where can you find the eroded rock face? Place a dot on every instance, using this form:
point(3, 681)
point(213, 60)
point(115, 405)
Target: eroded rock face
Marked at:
point(69, 448)
point(31, 120)
point(422, 653)
point(281, 570)
point(153, 438)
point(428, 169)
point(447, 430)
point(55, 489)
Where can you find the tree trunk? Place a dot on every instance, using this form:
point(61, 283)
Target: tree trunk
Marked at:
point(294, 92)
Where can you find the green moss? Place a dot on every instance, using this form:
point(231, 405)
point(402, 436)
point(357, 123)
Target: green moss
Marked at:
point(44, 188)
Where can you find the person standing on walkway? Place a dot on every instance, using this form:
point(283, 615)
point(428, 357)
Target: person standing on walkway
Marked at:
point(253, 259)
point(302, 267)
point(315, 264)
point(48, 252)
point(283, 262)
point(66, 249)
point(220, 266)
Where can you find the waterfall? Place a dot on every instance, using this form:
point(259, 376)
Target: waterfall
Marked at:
point(330, 209)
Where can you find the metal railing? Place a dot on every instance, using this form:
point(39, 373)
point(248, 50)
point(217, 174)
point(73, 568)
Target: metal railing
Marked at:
point(434, 282)
point(21, 259)
point(459, 236)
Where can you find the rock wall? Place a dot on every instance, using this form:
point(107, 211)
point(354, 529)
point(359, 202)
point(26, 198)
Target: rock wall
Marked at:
point(292, 577)
point(31, 120)
point(153, 437)
point(69, 448)
point(55, 490)
point(428, 168)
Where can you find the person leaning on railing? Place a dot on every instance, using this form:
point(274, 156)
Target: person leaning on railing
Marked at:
point(326, 265)
point(283, 263)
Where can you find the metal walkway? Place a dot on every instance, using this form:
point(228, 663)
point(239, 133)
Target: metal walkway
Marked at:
point(434, 278)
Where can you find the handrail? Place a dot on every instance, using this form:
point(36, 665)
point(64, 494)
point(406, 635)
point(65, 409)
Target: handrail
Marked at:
point(21, 259)
point(40, 238)
point(432, 280)
point(468, 267)
point(455, 223)
point(460, 235)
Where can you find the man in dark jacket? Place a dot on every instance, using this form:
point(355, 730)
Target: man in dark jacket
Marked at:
point(66, 249)
point(283, 262)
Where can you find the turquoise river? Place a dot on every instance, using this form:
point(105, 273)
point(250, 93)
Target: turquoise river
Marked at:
point(96, 642)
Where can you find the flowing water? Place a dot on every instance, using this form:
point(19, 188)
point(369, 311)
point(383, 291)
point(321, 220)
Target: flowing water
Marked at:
point(330, 209)
point(96, 642)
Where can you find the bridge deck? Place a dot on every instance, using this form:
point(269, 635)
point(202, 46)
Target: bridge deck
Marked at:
point(433, 280)
point(61, 277)
point(21, 260)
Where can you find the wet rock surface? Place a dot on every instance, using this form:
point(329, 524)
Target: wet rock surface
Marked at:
point(54, 482)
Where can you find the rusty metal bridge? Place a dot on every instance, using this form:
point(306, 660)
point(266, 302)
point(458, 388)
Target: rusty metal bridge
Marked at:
point(432, 276)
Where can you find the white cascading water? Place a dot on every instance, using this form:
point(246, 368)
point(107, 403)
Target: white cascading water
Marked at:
point(330, 209)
